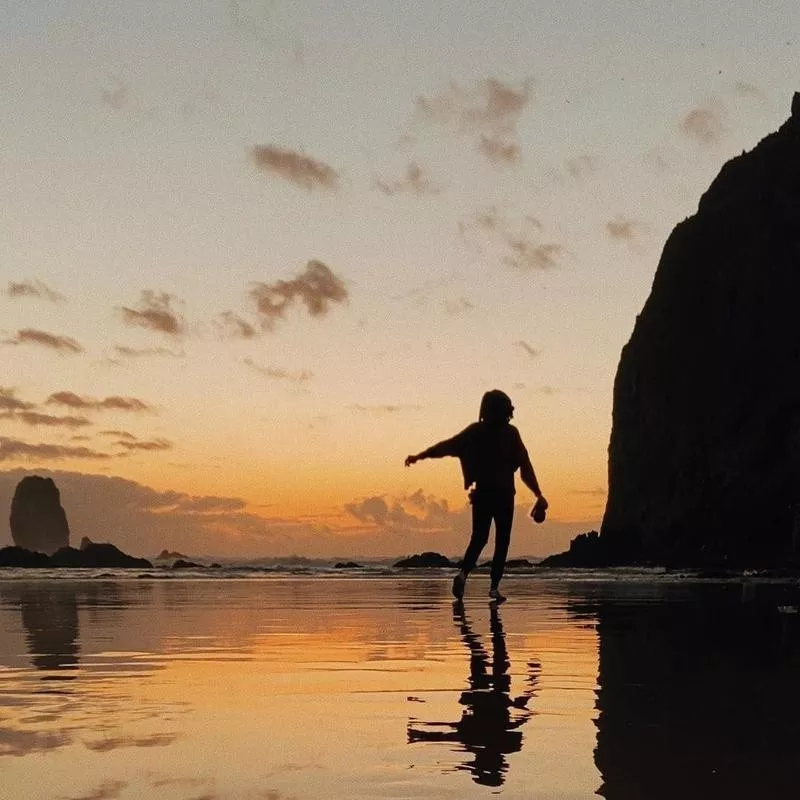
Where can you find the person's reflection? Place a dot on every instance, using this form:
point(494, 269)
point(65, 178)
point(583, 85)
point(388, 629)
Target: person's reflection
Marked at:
point(698, 694)
point(50, 618)
point(489, 725)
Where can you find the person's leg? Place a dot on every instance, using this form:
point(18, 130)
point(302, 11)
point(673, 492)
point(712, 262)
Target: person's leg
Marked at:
point(481, 521)
point(503, 509)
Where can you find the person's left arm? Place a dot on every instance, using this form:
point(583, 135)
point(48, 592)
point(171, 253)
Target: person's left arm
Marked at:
point(526, 471)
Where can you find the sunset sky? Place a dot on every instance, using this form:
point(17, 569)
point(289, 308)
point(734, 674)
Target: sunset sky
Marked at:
point(256, 252)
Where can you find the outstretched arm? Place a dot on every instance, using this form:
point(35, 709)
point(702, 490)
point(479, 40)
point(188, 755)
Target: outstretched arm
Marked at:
point(448, 447)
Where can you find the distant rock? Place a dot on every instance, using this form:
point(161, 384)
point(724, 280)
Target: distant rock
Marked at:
point(704, 457)
point(585, 550)
point(165, 555)
point(184, 564)
point(95, 554)
point(20, 557)
point(346, 565)
point(424, 560)
point(38, 521)
point(511, 565)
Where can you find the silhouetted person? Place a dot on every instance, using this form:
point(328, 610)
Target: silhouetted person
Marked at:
point(487, 729)
point(490, 452)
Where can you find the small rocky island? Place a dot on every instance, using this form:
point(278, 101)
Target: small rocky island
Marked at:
point(704, 457)
point(40, 533)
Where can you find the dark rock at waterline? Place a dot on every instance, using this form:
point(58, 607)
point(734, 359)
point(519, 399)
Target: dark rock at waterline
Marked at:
point(704, 457)
point(182, 563)
point(519, 564)
point(585, 550)
point(167, 554)
point(20, 557)
point(96, 554)
point(38, 521)
point(346, 565)
point(424, 560)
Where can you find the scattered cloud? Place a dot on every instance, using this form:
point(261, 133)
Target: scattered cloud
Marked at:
point(113, 403)
point(531, 351)
point(519, 246)
point(12, 449)
point(382, 409)
point(580, 166)
point(139, 444)
point(413, 511)
point(233, 326)
point(597, 491)
point(317, 288)
point(297, 168)
point(146, 352)
point(155, 313)
point(117, 434)
point(278, 373)
point(108, 743)
point(500, 150)
point(36, 419)
point(108, 790)
point(33, 288)
point(62, 344)
point(459, 306)
point(488, 110)
point(10, 402)
point(624, 229)
point(705, 124)
point(415, 181)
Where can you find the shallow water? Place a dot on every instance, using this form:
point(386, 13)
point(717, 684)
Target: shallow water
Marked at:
point(307, 687)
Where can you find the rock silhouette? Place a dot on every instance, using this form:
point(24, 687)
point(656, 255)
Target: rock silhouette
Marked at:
point(38, 521)
point(704, 457)
point(424, 560)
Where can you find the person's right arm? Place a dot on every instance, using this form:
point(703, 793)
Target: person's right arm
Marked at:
point(447, 447)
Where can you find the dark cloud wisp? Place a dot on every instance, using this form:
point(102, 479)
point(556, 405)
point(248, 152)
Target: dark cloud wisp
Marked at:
point(113, 403)
point(61, 344)
point(33, 288)
point(155, 312)
point(297, 168)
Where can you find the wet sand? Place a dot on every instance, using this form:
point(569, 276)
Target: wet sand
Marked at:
point(294, 687)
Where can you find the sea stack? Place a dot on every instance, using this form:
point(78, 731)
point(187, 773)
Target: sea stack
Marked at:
point(704, 457)
point(38, 521)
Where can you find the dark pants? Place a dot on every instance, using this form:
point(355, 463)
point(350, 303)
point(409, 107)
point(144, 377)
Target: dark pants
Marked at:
point(485, 508)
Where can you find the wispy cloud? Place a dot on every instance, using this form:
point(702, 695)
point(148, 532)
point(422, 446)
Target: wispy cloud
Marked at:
point(36, 419)
point(141, 444)
point(279, 373)
point(489, 110)
point(519, 246)
point(147, 352)
point(61, 344)
point(10, 402)
point(108, 790)
point(624, 229)
point(232, 325)
point(415, 181)
point(113, 403)
point(297, 168)
point(705, 124)
point(317, 287)
point(17, 448)
point(156, 313)
point(413, 511)
point(531, 351)
point(33, 288)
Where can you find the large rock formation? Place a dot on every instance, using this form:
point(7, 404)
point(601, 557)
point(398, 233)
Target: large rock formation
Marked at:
point(704, 459)
point(38, 521)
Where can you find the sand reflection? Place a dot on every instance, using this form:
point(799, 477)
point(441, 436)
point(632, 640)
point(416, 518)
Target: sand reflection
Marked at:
point(489, 726)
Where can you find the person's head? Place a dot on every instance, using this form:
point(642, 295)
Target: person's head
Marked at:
point(496, 407)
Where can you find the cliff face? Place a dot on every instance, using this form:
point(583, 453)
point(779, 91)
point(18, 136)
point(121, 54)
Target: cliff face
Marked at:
point(704, 457)
point(38, 521)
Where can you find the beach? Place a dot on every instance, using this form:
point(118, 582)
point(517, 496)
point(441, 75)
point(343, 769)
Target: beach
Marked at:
point(285, 687)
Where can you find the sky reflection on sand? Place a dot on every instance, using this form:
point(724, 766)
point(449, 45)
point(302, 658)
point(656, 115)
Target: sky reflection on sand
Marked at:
point(304, 688)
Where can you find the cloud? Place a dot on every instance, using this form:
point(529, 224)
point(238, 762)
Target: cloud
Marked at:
point(145, 352)
point(414, 511)
point(12, 449)
point(36, 419)
point(580, 166)
point(10, 402)
point(62, 344)
point(297, 168)
point(382, 409)
point(138, 444)
point(113, 403)
point(33, 289)
point(531, 351)
point(414, 181)
point(370, 509)
point(108, 790)
point(155, 313)
point(117, 434)
point(317, 288)
point(518, 245)
point(235, 327)
point(525, 254)
point(459, 306)
point(705, 124)
point(278, 373)
point(499, 150)
point(108, 743)
point(489, 110)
